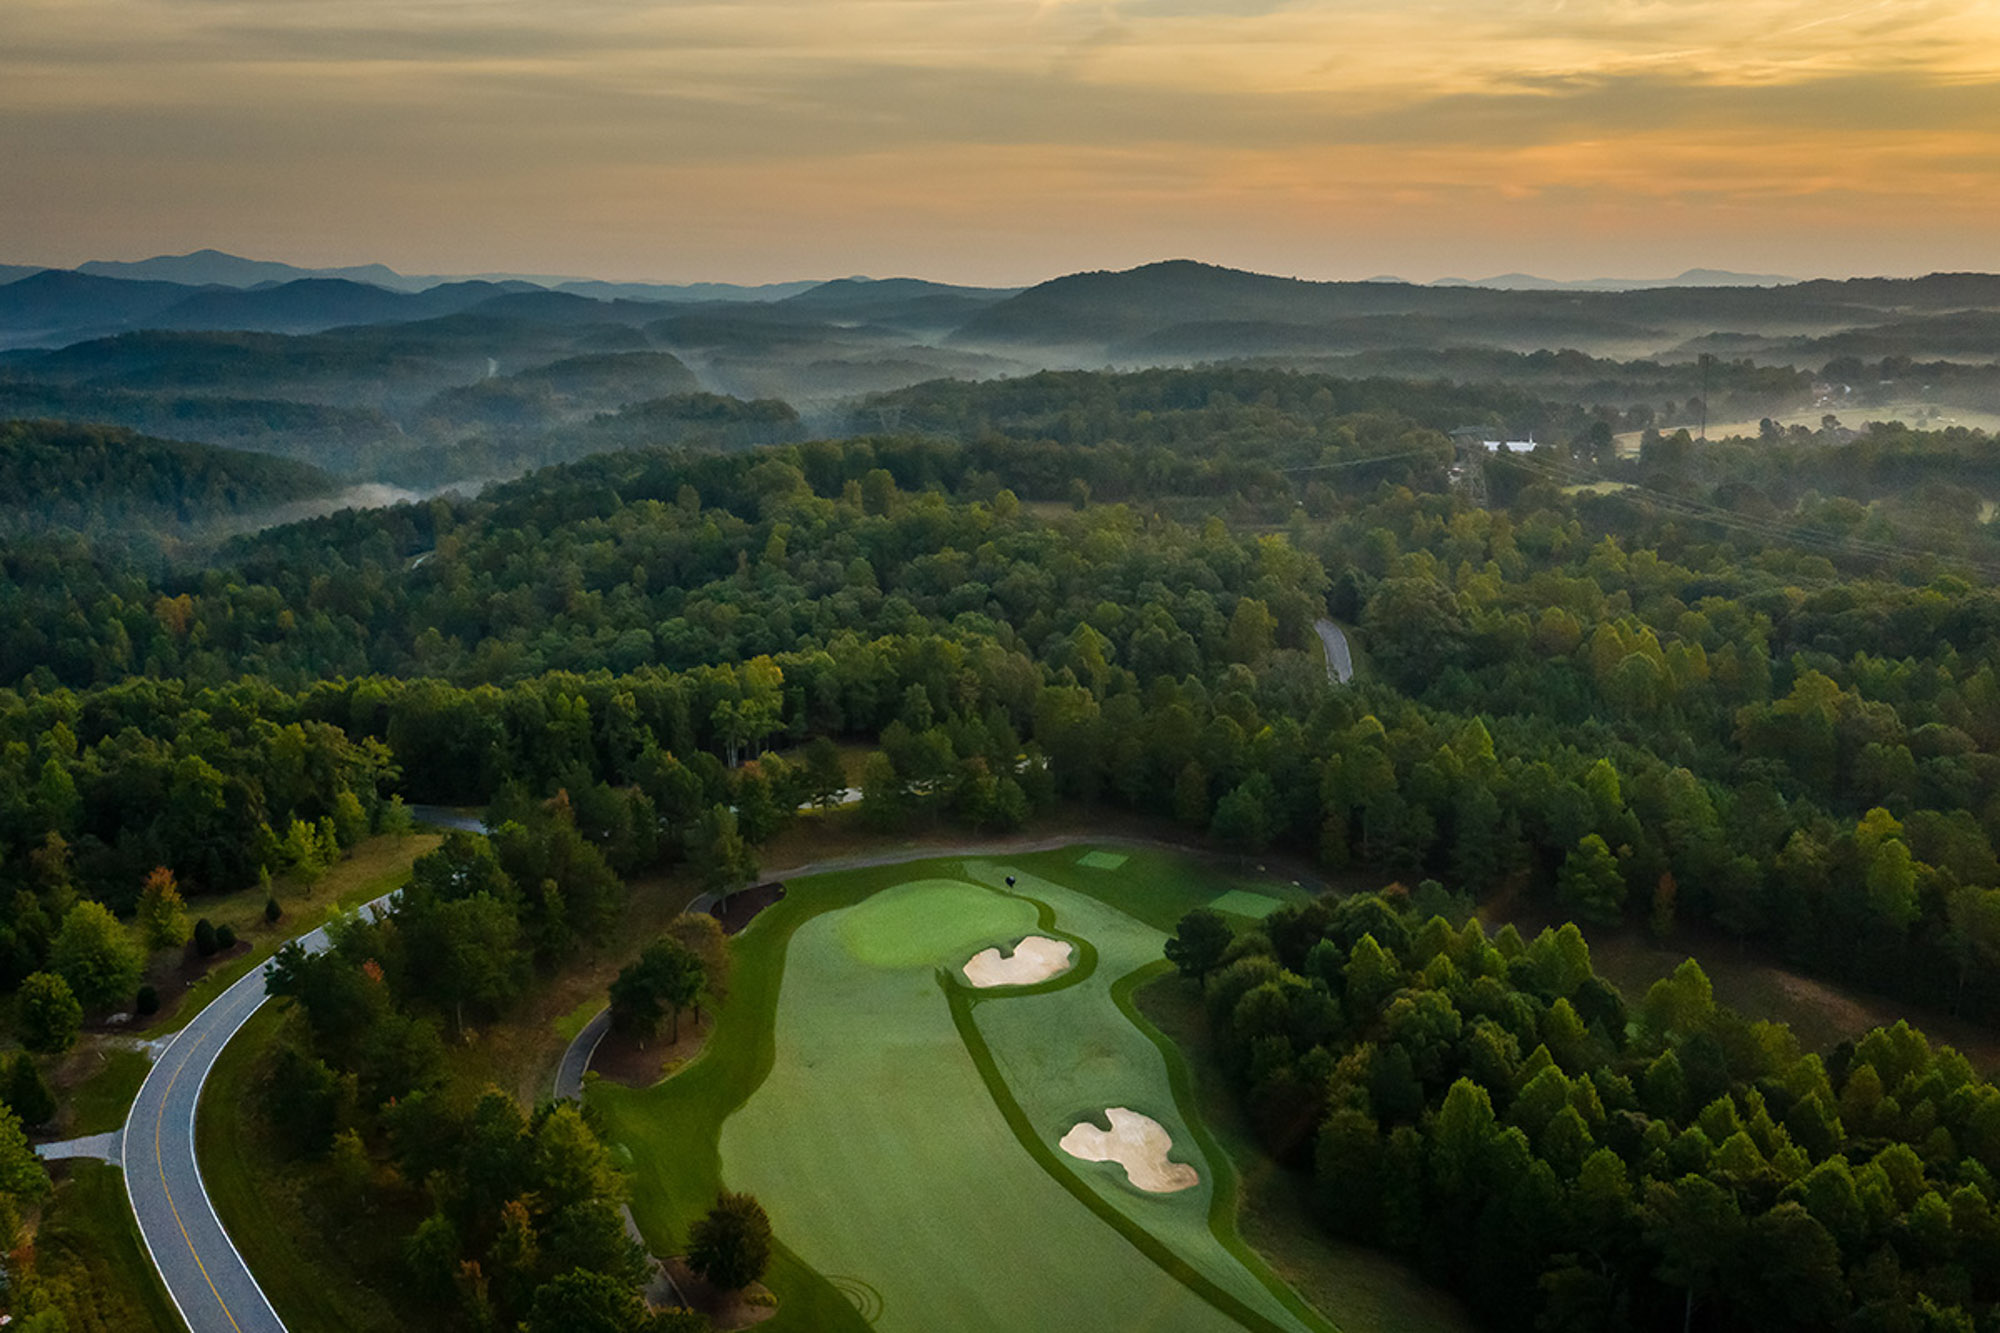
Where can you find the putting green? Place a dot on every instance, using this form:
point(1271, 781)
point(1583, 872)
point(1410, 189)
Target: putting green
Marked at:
point(930, 923)
point(900, 1126)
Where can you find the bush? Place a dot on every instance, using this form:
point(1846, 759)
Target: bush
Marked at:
point(225, 938)
point(148, 1001)
point(272, 911)
point(731, 1244)
point(25, 1092)
point(204, 938)
point(96, 955)
point(48, 1014)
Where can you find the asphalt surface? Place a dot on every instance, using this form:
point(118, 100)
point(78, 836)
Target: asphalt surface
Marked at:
point(576, 1058)
point(1339, 664)
point(205, 1276)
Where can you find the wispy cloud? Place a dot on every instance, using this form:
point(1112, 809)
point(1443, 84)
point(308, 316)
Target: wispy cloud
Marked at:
point(516, 133)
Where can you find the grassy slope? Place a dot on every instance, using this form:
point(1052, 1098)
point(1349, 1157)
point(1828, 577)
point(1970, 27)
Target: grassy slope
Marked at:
point(325, 1265)
point(674, 1131)
point(1364, 1290)
point(1106, 1059)
point(87, 1236)
point(669, 1133)
point(325, 1268)
point(884, 1129)
point(371, 869)
point(101, 1102)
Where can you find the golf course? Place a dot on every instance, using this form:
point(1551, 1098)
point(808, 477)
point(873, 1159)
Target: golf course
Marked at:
point(922, 1135)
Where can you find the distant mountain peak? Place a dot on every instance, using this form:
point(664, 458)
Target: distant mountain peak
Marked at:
point(218, 268)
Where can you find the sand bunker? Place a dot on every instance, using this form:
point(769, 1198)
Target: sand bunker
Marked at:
point(1037, 958)
point(1136, 1142)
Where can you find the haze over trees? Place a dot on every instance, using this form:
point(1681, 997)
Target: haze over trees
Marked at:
point(1745, 685)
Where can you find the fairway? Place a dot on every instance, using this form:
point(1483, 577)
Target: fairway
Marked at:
point(903, 1134)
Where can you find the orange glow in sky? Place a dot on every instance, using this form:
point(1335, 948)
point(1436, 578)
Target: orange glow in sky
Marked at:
point(1006, 140)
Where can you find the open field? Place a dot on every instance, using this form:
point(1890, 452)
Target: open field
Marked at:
point(100, 1102)
point(900, 1125)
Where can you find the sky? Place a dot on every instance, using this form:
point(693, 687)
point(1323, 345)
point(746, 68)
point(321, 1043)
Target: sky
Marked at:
point(1006, 141)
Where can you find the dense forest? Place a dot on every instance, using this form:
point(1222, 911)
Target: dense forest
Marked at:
point(56, 475)
point(1494, 1110)
point(1749, 684)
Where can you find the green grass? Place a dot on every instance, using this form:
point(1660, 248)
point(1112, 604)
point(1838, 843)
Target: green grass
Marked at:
point(573, 1022)
point(324, 1266)
point(1154, 886)
point(867, 1111)
point(668, 1134)
point(926, 923)
point(101, 1102)
point(1106, 1058)
point(885, 1128)
point(89, 1240)
point(1243, 903)
point(374, 868)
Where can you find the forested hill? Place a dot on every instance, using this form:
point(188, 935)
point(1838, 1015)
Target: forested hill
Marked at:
point(102, 478)
point(1749, 686)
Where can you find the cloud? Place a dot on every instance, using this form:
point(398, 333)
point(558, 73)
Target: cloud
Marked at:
point(202, 116)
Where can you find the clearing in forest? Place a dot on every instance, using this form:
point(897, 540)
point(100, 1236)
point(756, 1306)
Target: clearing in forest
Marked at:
point(902, 1126)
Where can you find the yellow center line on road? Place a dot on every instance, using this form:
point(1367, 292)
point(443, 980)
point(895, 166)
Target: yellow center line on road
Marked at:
point(160, 1160)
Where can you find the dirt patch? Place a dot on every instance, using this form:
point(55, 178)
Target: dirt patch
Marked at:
point(744, 905)
point(622, 1059)
point(1136, 1142)
point(1036, 958)
point(726, 1310)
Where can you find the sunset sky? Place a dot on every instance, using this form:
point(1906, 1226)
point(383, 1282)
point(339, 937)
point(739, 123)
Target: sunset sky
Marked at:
point(1004, 141)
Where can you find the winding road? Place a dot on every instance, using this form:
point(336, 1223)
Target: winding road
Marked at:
point(1339, 663)
point(207, 1279)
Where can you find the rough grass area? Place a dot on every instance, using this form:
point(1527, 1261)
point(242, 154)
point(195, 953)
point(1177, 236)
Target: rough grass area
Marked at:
point(101, 1101)
point(325, 1265)
point(1361, 1290)
point(668, 1134)
point(88, 1242)
point(371, 869)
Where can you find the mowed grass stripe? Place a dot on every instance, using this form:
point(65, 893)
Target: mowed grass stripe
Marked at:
point(1099, 1058)
point(723, 1119)
point(881, 1155)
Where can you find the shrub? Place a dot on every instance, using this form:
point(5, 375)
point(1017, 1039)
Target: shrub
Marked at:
point(225, 938)
point(272, 911)
point(25, 1092)
point(205, 942)
point(48, 1014)
point(731, 1244)
point(96, 956)
point(148, 1001)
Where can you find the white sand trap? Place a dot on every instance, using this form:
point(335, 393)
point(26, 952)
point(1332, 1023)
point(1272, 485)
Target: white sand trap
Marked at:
point(1036, 958)
point(1136, 1142)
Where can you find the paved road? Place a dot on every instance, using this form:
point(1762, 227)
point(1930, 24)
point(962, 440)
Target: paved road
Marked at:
point(1339, 664)
point(576, 1058)
point(204, 1274)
